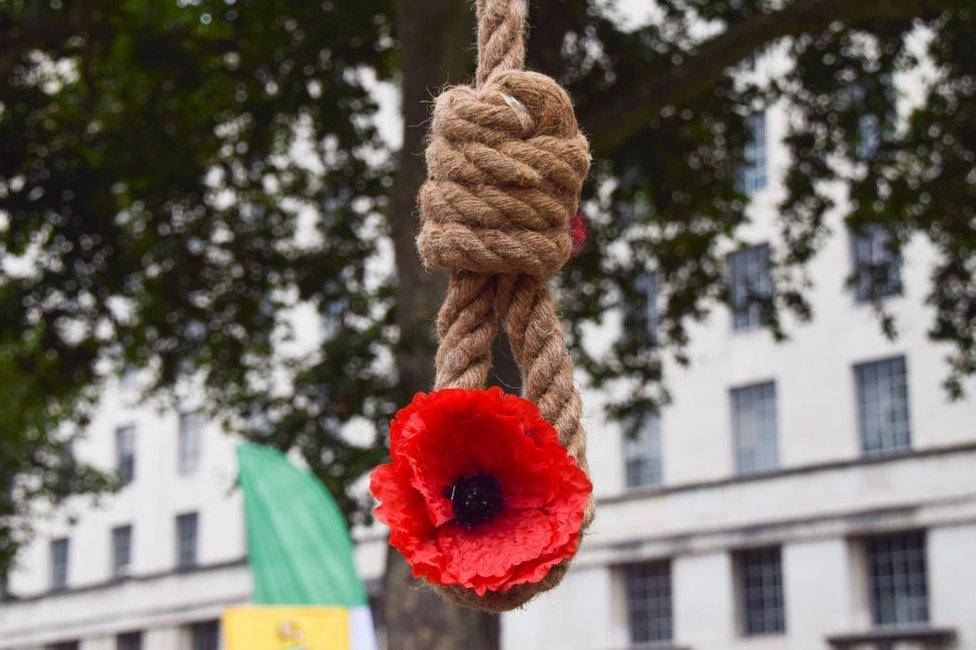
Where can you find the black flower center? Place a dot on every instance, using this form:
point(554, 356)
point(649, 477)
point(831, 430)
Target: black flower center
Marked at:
point(476, 499)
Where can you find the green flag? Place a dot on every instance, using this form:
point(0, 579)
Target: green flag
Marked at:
point(299, 549)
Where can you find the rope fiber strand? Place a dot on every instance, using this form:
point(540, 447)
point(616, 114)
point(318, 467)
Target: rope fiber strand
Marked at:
point(506, 163)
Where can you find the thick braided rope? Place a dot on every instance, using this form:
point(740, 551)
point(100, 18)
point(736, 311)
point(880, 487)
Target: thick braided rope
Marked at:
point(501, 37)
point(505, 164)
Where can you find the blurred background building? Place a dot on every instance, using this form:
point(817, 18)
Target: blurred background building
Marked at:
point(811, 494)
point(819, 493)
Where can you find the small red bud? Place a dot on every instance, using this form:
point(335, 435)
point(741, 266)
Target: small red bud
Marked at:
point(579, 230)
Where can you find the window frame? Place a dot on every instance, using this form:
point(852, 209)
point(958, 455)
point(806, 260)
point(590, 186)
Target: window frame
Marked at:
point(121, 569)
point(753, 176)
point(753, 623)
point(902, 440)
point(879, 616)
point(750, 281)
point(766, 448)
point(868, 135)
point(187, 559)
point(131, 640)
point(59, 563)
point(189, 444)
point(198, 629)
point(645, 449)
point(871, 256)
point(125, 453)
point(659, 630)
point(644, 314)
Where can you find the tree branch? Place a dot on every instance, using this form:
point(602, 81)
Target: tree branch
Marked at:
point(610, 124)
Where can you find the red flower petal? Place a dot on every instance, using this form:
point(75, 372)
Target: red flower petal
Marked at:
point(451, 435)
point(402, 509)
point(486, 441)
point(483, 558)
point(579, 231)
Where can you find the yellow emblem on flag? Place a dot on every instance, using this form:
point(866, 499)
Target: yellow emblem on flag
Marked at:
point(263, 627)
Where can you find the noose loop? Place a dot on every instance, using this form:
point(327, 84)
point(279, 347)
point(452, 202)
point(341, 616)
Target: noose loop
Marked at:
point(506, 163)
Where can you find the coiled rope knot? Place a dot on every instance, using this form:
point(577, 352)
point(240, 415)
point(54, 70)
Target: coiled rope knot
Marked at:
point(505, 167)
point(505, 164)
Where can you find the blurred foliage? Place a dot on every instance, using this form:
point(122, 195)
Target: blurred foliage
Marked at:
point(36, 463)
point(176, 175)
point(150, 206)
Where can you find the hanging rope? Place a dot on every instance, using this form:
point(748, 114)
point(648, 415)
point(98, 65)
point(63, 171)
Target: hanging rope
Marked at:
point(506, 163)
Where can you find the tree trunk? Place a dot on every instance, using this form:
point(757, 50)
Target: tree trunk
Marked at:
point(436, 39)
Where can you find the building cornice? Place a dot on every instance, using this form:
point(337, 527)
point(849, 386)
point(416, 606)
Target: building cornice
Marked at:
point(812, 468)
point(119, 581)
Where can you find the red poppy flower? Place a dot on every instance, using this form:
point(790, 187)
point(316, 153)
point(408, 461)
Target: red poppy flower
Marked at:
point(479, 492)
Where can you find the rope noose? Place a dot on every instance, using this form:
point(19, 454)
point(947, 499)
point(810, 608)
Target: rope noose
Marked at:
point(506, 163)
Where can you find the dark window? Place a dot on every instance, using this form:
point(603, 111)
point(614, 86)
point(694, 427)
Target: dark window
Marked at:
point(125, 453)
point(121, 550)
point(752, 176)
point(857, 97)
point(868, 135)
point(882, 402)
point(761, 591)
point(877, 266)
point(642, 455)
point(191, 433)
point(754, 428)
point(334, 316)
point(186, 540)
point(897, 579)
point(641, 314)
point(750, 286)
point(64, 645)
point(129, 641)
point(649, 601)
point(205, 635)
point(59, 563)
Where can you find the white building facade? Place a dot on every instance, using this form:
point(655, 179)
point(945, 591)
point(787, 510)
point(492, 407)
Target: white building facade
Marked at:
point(807, 495)
point(819, 493)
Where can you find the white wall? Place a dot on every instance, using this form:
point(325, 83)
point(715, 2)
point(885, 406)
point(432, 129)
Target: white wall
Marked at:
point(577, 614)
point(702, 588)
point(818, 590)
point(952, 579)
